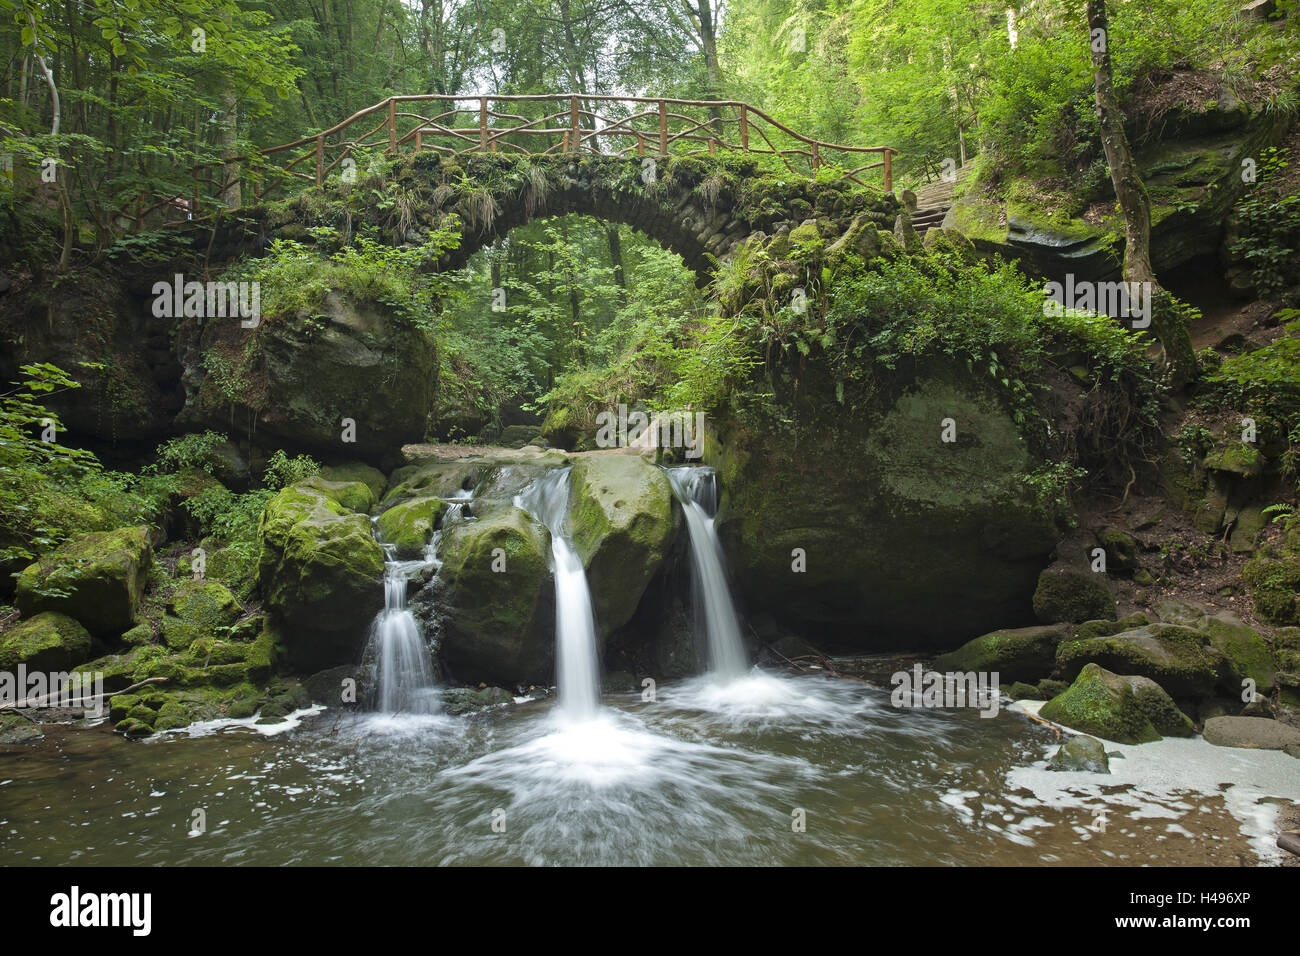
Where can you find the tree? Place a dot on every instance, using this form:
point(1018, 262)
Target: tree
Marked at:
point(1166, 322)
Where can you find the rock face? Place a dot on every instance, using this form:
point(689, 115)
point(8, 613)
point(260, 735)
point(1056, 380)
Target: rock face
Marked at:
point(1127, 710)
point(904, 538)
point(496, 609)
point(1258, 733)
point(47, 642)
point(97, 579)
point(321, 574)
point(623, 522)
point(197, 610)
point(300, 377)
point(1019, 654)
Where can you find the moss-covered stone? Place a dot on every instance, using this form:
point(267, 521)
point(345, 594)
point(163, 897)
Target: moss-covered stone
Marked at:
point(1080, 754)
point(1179, 659)
point(1018, 654)
point(869, 526)
point(622, 523)
point(409, 525)
point(1121, 549)
point(1127, 710)
point(371, 477)
point(198, 609)
point(1064, 595)
point(496, 607)
point(97, 579)
point(435, 477)
point(1274, 579)
point(351, 495)
point(47, 642)
point(1245, 654)
point(321, 574)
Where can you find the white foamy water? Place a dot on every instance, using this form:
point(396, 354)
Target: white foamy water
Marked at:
point(715, 616)
point(577, 665)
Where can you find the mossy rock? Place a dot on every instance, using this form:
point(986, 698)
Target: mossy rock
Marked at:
point(1236, 458)
point(1244, 652)
point(622, 524)
point(352, 495)
point(1018, 654)
point(1121, 549)
point(1127, 710)
point(1274, 579)
point(497, 625)
point(321, 574)
point(1179, 659)
point(198, 609)
point(464, 700)
point(1074, 596)
point(369, 476)
point(409, 525)
point(1082, 754)
point(97, 579)
point(435, 477)
point(48, 641)
point(1105, 628)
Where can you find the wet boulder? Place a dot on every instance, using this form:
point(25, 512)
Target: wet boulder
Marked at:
point(495, 599)
point(1081, 753)
point(96, 578)
point(409, 525)
point(622, 522)
point(1255, 733)
point(1017, 654)
point(321, 573)
point(1126, 709)
point(1180, 659)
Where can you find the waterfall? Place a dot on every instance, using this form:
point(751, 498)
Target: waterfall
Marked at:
point(696, 487)
point(403, 670)
point(576, 665)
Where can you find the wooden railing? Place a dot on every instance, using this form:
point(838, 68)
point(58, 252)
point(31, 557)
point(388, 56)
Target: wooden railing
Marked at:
point(566, 124)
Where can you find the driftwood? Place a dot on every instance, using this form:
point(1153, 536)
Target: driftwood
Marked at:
point(44, 701)
point(1289, 841)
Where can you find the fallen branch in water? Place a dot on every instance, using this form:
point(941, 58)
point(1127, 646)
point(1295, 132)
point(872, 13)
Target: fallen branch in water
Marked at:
point(44, 701)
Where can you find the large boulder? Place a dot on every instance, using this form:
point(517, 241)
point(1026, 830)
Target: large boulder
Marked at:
point(1127, 710)
point(321, 573)
point(299, 377)
point(1018, 654)
point(198, 609)
point(865, 523)
point(1080, 754)
point(1074, 596)
point(47, 642)
point(622, 523)
point(1179, 659)
point(495, 598)
point(1258, 733)
point(96, 578)
point(1245, 654)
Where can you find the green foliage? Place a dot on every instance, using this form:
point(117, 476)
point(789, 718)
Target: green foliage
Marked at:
point(193, 450)
point(1269, 216)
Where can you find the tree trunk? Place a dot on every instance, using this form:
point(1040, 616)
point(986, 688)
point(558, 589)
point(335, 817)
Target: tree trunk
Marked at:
point(1166, 323)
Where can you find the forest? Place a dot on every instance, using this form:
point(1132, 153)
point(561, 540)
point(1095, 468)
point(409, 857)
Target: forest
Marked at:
point(312, 312)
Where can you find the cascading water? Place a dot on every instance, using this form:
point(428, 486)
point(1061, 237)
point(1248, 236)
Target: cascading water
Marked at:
point(577, 667)
point(696, 487)
point(403, 669)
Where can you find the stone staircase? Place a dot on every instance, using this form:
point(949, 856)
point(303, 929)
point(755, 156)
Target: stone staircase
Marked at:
point(932, 201)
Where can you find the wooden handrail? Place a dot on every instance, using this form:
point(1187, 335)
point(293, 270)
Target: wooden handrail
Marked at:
point(573, 124)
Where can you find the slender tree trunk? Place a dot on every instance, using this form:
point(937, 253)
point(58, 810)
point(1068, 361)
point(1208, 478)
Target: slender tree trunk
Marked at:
point(1166, 323)
point(65, 256)
point(616, 259)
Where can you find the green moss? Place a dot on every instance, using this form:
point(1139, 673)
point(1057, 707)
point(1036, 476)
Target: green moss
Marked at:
point(97, 579)
point(1274, 579)
point(1179, 659)
point(1064, 595)
point(1026, 653)
point(1129, 710)
point(409, 525)
point(371, 477)
point(47, 642)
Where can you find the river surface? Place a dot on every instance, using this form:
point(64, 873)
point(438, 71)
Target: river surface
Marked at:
point(766, 769)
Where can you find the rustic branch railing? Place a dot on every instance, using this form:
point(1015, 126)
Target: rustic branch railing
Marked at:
point(566, 124)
